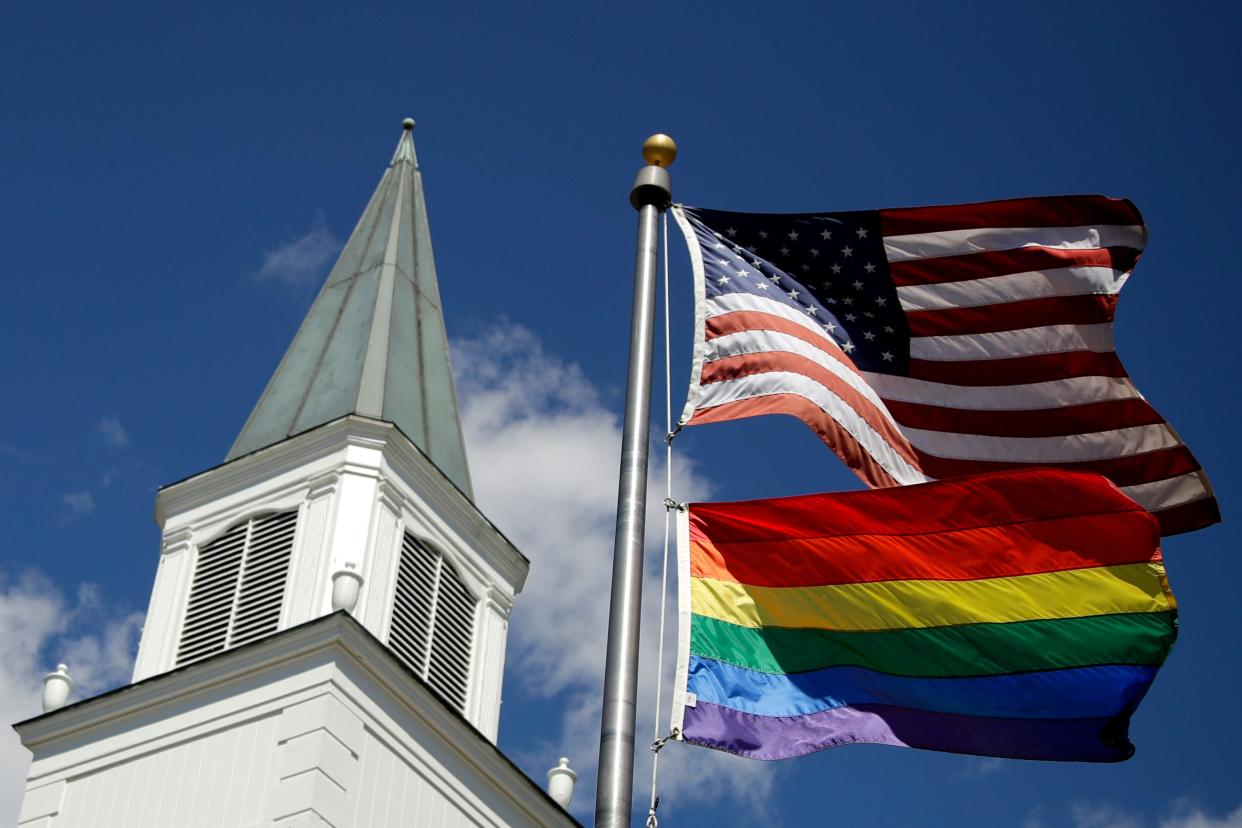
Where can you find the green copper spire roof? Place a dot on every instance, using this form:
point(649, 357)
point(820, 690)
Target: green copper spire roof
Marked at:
point(373, 343)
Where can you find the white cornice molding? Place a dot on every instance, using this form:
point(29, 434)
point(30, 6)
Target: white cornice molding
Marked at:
point(335, 640)
point(325, 484)
point(323, 450)
point(176, 541)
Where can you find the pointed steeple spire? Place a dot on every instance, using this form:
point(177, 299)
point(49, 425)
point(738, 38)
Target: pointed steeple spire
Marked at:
point(373, 342)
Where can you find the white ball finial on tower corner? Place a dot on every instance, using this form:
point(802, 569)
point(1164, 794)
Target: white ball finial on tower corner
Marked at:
point(56, 687)
point(408, 123)
point(561, 783)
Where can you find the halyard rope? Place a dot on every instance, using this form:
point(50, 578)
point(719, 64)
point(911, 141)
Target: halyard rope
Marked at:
point(670, 506)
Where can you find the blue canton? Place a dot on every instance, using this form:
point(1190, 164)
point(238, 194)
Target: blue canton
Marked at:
point(828, 267)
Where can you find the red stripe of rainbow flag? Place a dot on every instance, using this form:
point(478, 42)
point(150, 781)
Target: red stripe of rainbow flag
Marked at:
point(1020, 614)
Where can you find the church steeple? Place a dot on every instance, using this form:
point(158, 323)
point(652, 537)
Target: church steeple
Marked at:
point(349, 481)
point(373, 343)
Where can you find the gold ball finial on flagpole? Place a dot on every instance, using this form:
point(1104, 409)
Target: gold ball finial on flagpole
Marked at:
point(659, 150)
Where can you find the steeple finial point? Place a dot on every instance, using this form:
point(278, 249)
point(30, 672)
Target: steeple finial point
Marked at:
point(408, 123)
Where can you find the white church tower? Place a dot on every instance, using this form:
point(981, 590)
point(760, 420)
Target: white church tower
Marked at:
point(325, 641)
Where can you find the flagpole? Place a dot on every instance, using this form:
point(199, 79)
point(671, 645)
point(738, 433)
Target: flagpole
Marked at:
point(650, 195)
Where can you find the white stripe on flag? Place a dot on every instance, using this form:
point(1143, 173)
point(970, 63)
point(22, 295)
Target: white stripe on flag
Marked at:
point(1072, 448)
point(1013, 287)
point(1164, 494)
point(1051, 339)
point(1036, 395)
point(733, 302)
point(980, 239)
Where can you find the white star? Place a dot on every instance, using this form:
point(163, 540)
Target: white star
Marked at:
point(814, 251)
point(806, 267)
point(775, 278)
point(888, 329)
point(763, 234)
point(858, 285)
point(723, 261)
point(870, 336)
point(761, 285)
point(723, 280)
point(849, 300)
point(743, 272)
point(869, 267)
point(831, 301)
point(784, 251)
point(825, 235)
point(848, 347)
point(731, 231)
point(811, 310)
point(868, 314)
point(862, 232)
point(836, 268)
point(829, 327)
point(793, 294)
point(881, 301)
point(793, 235)
point(756, 262)
point(849, 317)
point(888, 357)
point(847, 251)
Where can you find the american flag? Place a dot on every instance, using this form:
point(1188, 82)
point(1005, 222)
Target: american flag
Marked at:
point(932, 342)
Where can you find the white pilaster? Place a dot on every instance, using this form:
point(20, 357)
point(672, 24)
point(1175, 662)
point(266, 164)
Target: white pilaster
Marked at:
point(488, 677)
point(356, 500)
point(158, 646)
point(380, 574)
point(309, 569)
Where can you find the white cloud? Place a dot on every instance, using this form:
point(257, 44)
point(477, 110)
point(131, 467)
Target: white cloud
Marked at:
point(10, 450)
point(544, 453)
point(113, 432)
point(1034, 818)
point(1185, 815)
point(300, 263)
point(40, 626)
point(78, 503)
point(1180, 813)
point(1103, 815)
point(983, 765)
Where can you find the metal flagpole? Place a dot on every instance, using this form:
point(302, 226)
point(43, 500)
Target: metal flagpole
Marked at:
point(651, 194)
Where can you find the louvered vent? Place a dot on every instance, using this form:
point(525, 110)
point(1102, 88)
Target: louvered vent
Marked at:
point(432, 627)
point(238, 587)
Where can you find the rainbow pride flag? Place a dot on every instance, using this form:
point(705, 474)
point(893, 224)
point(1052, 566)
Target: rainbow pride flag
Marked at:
point(1019, 614)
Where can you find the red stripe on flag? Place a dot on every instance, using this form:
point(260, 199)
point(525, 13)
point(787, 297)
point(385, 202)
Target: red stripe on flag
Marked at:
point(828, 429)
point(1124, 471)
point(1047, 211)
point(1029, 313)
point(1004, 262)
point(1046, 422)
point(750, 321)
point(743, 365)
point(1188, 517)
point(1019, 370)
point(1018, 523)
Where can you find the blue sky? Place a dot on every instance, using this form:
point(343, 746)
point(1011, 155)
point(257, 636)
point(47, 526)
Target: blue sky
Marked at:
point(175, 181)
